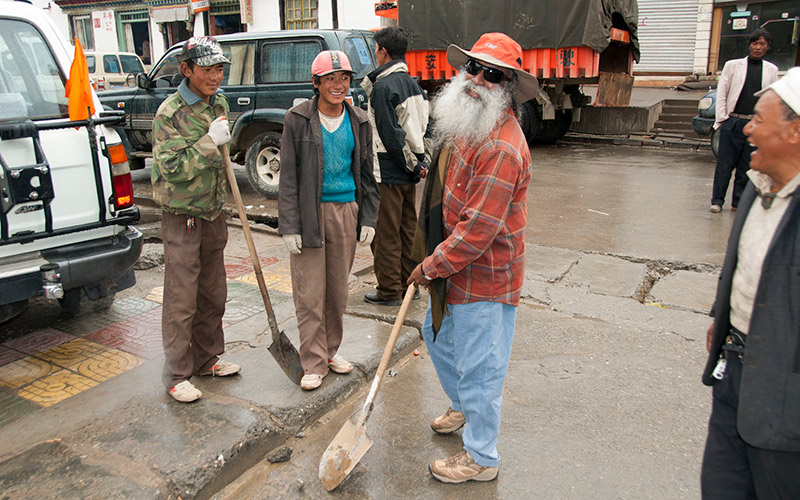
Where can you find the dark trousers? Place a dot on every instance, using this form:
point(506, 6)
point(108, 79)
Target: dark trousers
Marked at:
point(732, 469)
point(394, 237)
point(734, 153)
point(195, 290)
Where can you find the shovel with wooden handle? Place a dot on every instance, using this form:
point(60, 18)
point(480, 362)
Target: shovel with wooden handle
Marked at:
point(352, 442)
point(282, 348)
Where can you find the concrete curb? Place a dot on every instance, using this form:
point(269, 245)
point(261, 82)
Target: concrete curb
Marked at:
point(671, 141)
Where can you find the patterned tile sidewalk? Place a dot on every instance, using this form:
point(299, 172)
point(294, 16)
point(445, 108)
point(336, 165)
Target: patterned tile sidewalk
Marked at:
point(49, 365)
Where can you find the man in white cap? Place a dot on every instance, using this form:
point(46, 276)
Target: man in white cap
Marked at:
point(753, 445)
point(471, 244)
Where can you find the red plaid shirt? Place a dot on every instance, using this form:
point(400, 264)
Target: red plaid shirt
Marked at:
point(484, 209)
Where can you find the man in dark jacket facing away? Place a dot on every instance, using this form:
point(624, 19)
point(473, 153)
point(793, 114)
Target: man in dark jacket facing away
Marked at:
point(398, 112)
point(753, 445)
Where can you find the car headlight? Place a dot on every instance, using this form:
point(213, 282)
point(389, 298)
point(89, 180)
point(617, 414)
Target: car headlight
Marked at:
point(704, 103)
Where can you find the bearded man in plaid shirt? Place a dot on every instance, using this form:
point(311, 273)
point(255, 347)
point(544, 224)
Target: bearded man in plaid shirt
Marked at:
point(471, 244)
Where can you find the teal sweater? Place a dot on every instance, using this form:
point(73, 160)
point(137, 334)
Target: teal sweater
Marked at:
point(338, 185)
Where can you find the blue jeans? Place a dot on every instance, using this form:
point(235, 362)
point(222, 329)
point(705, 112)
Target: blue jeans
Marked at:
point(471, 354)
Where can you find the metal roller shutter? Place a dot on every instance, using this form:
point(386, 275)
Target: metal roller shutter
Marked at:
point(667, 32)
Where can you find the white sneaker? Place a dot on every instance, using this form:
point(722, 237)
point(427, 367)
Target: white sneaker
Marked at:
point(311, 381)
point(223, 369)
point(340, 365)
point(185, 392)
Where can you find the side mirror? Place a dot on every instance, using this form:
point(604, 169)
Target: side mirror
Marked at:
point(142, 81)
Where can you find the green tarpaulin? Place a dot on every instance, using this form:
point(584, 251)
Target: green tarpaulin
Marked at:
point(435, 24)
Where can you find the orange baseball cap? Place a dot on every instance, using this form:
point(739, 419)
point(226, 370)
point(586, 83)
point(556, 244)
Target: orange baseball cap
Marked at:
point(330, 61)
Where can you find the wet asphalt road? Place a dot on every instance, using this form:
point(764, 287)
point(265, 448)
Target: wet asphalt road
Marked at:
point(603, 397)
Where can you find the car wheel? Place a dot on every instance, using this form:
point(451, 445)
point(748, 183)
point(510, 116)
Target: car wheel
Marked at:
point(75, 302)
point(11, 311)
point(552, 130)
point(715, 142)
point(263, 163)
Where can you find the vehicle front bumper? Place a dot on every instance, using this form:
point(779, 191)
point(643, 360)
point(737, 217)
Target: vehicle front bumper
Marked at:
point(703, 126)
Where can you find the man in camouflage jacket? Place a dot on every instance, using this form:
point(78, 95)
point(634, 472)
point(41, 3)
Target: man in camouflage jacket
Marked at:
point(189, 184)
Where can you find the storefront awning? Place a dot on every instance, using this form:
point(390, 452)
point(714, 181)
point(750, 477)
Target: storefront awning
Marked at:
point(170, 14)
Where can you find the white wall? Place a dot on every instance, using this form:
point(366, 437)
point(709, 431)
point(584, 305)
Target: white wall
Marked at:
point(702, 45)
point(59, 18)
point(356, 14)
point(266, 16)
point(105, 36)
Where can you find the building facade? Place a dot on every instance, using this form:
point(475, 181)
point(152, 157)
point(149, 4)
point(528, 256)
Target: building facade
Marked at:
point(684, 37)
point(150, 27)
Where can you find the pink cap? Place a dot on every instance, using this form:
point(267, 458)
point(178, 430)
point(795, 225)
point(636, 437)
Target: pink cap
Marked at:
point(330, 61)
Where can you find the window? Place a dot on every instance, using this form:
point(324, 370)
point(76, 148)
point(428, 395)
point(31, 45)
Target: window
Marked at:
point(90, 62)
point(242, 57)
point(288, 62)
point(301, 14)
point(110, 64)
point(31, 85)
point(130, 64)
point(359, 55)
point(168, 73)
point(82, 27)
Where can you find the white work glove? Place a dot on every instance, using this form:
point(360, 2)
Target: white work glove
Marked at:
point(219, 132)
point(294, 242)
point(367, 235)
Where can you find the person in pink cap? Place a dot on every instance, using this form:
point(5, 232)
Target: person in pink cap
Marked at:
point(753, 445)
point(327, 202)
point(471, 244)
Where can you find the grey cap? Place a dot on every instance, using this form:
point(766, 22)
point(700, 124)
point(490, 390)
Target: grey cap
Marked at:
point(203, 50)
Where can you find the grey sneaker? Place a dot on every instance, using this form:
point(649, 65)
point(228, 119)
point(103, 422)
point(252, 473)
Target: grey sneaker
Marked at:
point(449, 422)
point(461, 468)
point(715, 209)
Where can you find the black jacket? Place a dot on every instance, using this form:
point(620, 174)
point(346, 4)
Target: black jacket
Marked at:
point(398, 112)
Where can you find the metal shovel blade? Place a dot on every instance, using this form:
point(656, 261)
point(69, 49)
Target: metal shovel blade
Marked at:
point(286, 356)
point(343, 454)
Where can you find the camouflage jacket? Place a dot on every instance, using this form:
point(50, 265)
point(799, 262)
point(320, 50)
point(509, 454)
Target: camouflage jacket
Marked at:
point(188, 174)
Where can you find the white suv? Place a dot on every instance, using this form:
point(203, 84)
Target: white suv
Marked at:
point(66, 197)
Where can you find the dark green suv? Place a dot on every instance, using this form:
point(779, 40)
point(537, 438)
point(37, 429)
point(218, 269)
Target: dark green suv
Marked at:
point(269, 73)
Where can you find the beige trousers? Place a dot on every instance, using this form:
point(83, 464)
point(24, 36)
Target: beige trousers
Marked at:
point(320, 286)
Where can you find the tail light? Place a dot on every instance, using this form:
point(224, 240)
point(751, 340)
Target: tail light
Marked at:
point(121, 181)
point(101, 83)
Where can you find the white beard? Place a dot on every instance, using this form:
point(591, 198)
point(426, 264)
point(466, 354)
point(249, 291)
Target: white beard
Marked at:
point(457, 116)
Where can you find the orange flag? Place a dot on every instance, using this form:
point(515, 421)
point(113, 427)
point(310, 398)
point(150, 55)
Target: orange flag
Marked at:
point(78, 89)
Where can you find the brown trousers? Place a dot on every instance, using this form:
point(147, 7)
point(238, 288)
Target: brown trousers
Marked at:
point(195, 290)
point(320, 286)
point(394, 237)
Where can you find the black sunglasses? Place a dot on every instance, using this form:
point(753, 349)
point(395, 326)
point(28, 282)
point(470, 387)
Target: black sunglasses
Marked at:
point(491, 75)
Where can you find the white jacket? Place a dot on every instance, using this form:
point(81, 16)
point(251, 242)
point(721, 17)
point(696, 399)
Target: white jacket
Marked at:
point(731, 82)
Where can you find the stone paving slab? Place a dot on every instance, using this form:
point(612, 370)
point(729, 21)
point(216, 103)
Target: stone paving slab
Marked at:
point(607, 275)
point(548, 263)
point(686, 289)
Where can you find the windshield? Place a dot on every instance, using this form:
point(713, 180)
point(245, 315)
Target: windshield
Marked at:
point(31, 85)
point(359, 55)
point(130, 64)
